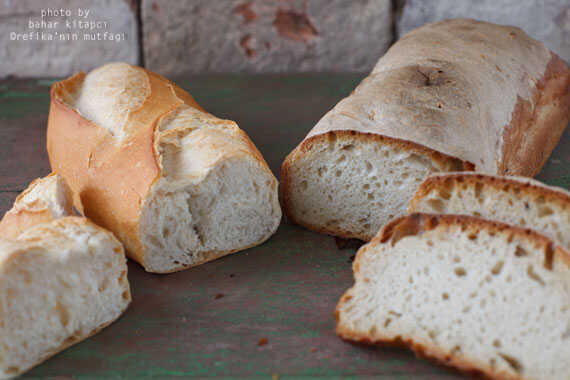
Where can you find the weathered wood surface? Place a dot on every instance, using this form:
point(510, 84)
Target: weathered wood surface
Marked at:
point(208, 321)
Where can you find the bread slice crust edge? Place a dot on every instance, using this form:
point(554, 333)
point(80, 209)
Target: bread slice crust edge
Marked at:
point(416, 224)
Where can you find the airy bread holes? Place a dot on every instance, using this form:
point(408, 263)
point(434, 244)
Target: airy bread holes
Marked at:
point(520, 252)
point(460, 271)
point(544, 210)
point(496, 270)
point(533, 275)
point(436, 205)
point(62, 313)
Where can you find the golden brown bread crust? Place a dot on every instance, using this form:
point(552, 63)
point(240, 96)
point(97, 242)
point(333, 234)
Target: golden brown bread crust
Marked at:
point(532, 189)
point(112, 177)
point(535, 130)
point(439, 159)
point(416, 224)
point(24, 215)
point(427, 351)
point(99, 171)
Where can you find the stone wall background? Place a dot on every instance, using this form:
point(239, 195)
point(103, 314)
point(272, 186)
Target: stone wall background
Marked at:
point(39, 58)
point(257, 36)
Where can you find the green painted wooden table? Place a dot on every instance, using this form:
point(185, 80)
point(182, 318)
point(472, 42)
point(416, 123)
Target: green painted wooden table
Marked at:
point(209, 320)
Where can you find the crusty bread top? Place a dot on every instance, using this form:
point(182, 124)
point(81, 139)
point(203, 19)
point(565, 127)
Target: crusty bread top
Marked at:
point(110, 94)
point(44, 200)
point(529, 185)
point(418, 223)
point(454, 86)
point(65, 232)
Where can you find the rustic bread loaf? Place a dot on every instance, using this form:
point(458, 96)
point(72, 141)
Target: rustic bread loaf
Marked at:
point(178, 186)
point(518, 201)
point(477, 295)
point(62, 278)
point(450, 96)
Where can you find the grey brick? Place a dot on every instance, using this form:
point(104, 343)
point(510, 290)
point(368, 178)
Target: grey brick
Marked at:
point(264, 35)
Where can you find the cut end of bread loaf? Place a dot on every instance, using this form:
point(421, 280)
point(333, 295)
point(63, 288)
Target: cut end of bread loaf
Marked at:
point(349, 184)
point(232, 208)
point(44, 200)
point(60, 282)
point(514, 200)
point(474, 294)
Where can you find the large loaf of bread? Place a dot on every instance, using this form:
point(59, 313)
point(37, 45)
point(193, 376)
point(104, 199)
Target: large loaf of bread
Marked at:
point(62, 278)
point(178, 186)
point(454, 95)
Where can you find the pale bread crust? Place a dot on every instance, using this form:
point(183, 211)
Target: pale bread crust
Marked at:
point(112, 179)
point(491, 95)
point(439, 160)
point(416, 224)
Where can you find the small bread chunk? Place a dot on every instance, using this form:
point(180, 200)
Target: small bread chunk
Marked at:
point(62, 278)
point(44, 200)
point(481, 296)
point(518, 201)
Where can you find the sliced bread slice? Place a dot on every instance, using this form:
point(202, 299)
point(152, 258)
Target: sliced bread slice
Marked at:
point(515, 200)
point(478, 295)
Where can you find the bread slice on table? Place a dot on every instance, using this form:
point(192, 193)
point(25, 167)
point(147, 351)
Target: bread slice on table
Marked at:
point(477, 295)
point(450, 96)
point(518, 201)
point(178, 186)
point(62, 278)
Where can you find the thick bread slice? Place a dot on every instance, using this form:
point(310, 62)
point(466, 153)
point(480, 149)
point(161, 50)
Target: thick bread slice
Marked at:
point(453, 95)
point(515, 200)
point(44, 200)
point(60, 282)
point(478, 295)
point(178, 186)
point(62, 278)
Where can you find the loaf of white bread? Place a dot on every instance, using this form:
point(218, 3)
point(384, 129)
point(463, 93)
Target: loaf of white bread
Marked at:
point(178, 186)
point(518, 201)
point(482, 296)
point(62, 278)
point(449, 96)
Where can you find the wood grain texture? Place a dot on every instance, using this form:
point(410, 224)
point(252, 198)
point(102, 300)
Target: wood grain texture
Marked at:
point(209, 320)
